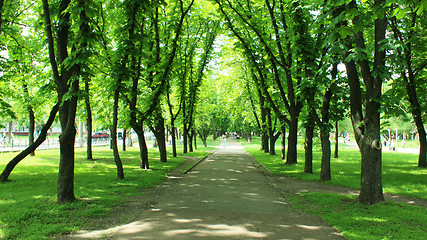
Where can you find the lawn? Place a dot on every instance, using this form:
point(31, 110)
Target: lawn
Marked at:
point(28, 208)
point(386, 220)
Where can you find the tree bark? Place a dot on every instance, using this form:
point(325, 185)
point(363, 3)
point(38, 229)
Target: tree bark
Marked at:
point(336, 140)
point(308, 145)
point(291, 157)
point(283, 142)
point(143, 150)
point(89, 155)
point(117, 160)
point(124, 136)
point(158, 129)
point(173, 136)
point(325, 168)
point(367, 130)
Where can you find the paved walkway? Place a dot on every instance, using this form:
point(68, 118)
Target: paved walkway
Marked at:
point(224, 197)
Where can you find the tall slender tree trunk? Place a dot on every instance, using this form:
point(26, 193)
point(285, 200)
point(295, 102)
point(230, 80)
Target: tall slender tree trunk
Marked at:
point(272, 150)
point(283, 142)
point(194, 138)
point(89, 155)
point(31, 118)
point(190, 141)
point(185, 138)
point(117, 160)
point(308, 145)
point(336, 140)
point(173, 136)
point(124, 136)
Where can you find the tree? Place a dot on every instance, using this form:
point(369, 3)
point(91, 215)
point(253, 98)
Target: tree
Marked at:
point(67, 85)
point(408, 25)
point(365, 106)
point(274, 53)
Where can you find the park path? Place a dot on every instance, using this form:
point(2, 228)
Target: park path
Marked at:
point(224, 197)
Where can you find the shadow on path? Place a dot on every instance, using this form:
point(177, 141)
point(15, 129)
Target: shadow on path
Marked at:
point(224, 197)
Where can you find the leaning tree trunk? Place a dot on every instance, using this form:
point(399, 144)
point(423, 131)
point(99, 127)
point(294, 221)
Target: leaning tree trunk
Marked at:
point(40, 139)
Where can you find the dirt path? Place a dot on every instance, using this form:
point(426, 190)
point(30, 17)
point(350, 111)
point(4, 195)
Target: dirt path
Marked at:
point(224, 197)
point(227, 196)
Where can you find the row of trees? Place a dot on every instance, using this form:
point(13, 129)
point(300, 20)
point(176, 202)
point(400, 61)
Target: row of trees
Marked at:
point(130, 64)
point(308, 61)
point(138, 64)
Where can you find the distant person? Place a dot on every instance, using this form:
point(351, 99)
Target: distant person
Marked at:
point(392, 147)
point(224, 141)
point(403, 143)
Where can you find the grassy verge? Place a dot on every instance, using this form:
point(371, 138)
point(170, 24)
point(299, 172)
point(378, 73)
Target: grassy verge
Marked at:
point(387, 220)
point(355, 221)
point(28, 208)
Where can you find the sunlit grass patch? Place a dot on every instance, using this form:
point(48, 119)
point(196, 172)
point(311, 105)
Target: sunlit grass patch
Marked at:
point(386, 220)
point(28, 208)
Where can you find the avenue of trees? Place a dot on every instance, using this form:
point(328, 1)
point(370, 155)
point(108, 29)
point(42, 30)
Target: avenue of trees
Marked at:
point(271, 67)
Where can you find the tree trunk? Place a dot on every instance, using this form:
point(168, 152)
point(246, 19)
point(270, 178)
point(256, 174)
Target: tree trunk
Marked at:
point(173, 132)
point(89, 155)
point(124, 135)
point(143, 150)
point(31, 118)
point(336, 140)
point(325, 168)
point(40, 139)
point(159, 132)
point(264, 132)
point(31, 128)
point(190, 141)
point(117, 160)
point(185, 138)
point(291, 157)
point(308, 146)
point(272, 149)
point(423, 148)
point(195, 138)
point(283, 142)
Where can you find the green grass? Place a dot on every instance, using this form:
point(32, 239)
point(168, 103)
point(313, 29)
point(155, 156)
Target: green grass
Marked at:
point(400, 174)
point(387, 220)
point(28, 208)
